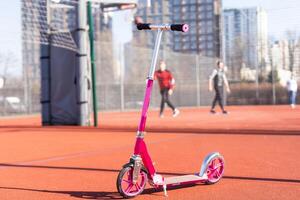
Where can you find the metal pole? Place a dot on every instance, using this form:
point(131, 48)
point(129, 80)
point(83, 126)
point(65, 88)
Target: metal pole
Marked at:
point(82, 64)
point(121, 54)
point(223, 53)
point(46, 73)
point(256, 78)
point(93, 64)
point(162, 21)
point(155, 54)
point(198, 81)
point(273, 85)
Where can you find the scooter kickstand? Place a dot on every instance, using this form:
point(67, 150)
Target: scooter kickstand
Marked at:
point(165, 190)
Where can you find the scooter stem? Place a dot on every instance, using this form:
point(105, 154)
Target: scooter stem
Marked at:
point(155, 54)
point(150, 78)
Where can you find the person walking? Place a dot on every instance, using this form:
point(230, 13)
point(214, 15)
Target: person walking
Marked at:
point(292, 87)
point(166, 84)
point(217, 80)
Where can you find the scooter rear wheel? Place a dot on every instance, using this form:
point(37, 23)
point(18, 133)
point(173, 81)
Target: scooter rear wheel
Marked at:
point(125, 184)
point(215, 170)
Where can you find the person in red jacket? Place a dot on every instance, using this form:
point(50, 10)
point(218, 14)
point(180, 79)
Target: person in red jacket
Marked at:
point(166, 85)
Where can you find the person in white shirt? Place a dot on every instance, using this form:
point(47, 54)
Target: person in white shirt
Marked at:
point(292, 87)
point(217, 80)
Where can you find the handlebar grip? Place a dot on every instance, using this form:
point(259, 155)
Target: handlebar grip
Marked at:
point(180, 27)
point(141, 26)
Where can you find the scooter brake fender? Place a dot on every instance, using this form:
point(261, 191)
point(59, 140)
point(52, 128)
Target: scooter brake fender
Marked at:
point(206, 162)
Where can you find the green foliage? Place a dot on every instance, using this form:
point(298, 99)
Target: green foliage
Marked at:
point(276, 77)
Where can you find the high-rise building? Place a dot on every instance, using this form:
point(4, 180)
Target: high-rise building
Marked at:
point(203, 17)
point(245, 37)
point(157, 12)
point(280, 55)
point(296, 59)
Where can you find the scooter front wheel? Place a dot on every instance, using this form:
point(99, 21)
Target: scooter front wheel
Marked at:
point(125, 184)
point(215, 170)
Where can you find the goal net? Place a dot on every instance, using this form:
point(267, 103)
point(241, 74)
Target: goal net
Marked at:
point(47, 21)
point(56, 31)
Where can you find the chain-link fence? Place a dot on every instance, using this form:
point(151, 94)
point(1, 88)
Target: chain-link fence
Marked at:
point(115, 92)
point(121, 86)
point(121, 76)
point(190, 71)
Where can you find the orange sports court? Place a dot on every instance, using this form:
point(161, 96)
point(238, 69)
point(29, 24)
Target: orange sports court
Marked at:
point(260, 145)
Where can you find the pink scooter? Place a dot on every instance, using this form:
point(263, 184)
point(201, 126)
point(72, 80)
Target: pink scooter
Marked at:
point(134, 175)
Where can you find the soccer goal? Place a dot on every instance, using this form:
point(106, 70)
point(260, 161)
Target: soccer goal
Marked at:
point(61, 31)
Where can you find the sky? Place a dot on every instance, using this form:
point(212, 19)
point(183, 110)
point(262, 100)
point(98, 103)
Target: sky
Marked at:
point(282, 15)
point(10, 34)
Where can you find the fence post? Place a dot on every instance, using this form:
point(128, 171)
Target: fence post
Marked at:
point(82, 83)
point(198, 81)
point(93, 65)
point(122, 70)
point(273, 85)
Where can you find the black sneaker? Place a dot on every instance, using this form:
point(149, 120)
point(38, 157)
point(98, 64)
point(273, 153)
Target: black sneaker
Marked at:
point(212, 111)
point(225, 112)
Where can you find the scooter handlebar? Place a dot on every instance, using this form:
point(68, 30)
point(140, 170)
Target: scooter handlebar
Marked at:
point(180, 27)
point(143, 26)
point(172, 27)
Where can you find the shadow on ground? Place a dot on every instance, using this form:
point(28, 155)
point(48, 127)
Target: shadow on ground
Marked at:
point(155, 130)
point(7, 165)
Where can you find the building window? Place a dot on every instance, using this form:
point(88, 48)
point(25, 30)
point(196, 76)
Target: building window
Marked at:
point(209, 7)
point(176, 10)
point(177, 46)
point(193, 15)
point(209, 23)
point(201, 9)
point(209, 15)
point(210, 53)
point(193, 8)
point(193, 38)
point(176, 2)
point(177, 38)
point(202, 15)
point(210, 45)
point(186, 45)
point(185, 39)
point(194, 45)
point(210, 38)
point(202, 45)
point(209, 29)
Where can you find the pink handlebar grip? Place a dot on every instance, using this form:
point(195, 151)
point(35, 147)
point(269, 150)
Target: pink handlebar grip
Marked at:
point(185, 28)
point(180, 27)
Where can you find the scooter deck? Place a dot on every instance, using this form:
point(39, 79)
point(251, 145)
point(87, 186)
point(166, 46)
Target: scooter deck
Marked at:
point(183, 179)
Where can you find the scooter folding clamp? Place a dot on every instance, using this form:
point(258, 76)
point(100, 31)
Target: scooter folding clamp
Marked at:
point(140, 134)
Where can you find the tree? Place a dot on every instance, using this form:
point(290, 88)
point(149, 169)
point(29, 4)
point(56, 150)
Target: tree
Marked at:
point(276, 78)
point(7, 64)
point(236, 58)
